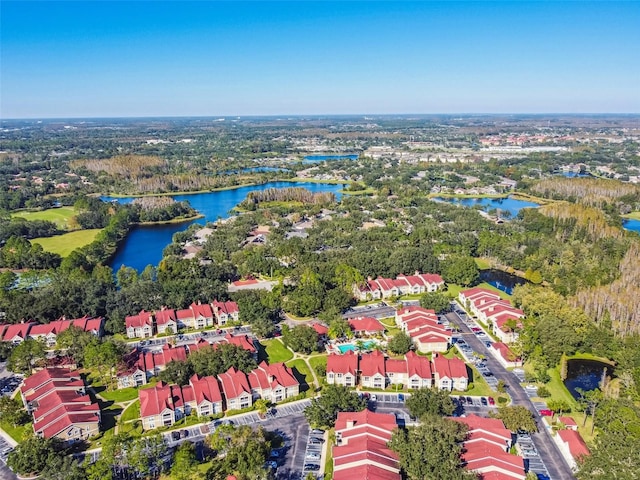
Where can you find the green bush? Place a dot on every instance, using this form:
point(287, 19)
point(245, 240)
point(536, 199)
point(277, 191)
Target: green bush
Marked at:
point(543, 392)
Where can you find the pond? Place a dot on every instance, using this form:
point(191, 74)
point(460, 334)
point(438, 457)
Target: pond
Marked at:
point(631, 224)
point(324, 158)
point(144, 244)
point(586, 375)
point(501, 280)
point(504, 204)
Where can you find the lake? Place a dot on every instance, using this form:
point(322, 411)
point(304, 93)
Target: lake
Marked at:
point(505, 204)
point(631, 224)
point(145, 243)
point(501, 280)
point(585, 374)
point(324, 158)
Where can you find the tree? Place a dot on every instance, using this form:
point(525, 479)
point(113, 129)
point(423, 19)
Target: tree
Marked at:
point(559, 406)
point(74, 340)
point(516, 418)
point(216, 360)
point(400, 343)
point(301, 338)
point(435, 300)
point(63, 467)
point(427, 401)
point(431, 450)
point(340, 328)
point(242, 453)
point(184, 462)
point(461, 270)
point(33, 455)
point(24, 356)
point(11, 411)
point(176, 372)
point(323, 410)
point(615, 456)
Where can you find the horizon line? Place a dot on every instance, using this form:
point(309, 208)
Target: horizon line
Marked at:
point(331, 115)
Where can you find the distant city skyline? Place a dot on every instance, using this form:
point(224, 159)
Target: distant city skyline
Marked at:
point(145, 59)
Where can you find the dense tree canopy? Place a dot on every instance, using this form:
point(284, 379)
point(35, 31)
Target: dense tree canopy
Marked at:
point(323, 410)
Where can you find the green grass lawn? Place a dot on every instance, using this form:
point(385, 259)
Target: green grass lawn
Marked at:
point(317, 360)
point(632, 215)
point(453, 290)
point(557, 389)
point(328, 463)
point(121, 395)
point(482, 263)
point(131, 412)
point(480, 386)
point(276, 351)
point(301, 366)
point(59, 216)
point(18, 433)
point(64, 244)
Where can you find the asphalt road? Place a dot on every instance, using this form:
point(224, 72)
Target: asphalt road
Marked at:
point(546, 447)
point(382, 310)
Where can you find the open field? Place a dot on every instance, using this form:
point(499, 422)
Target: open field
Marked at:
point(64, 244)
point(276, 351)
point(300, 365)
point(17, 433)
point(59, 216)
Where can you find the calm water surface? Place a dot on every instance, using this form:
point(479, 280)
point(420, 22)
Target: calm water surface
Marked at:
point(324, 158)
point(144, 244)
point(585, 374)
point(501, 280)
point(507, 204)
point(631, 224)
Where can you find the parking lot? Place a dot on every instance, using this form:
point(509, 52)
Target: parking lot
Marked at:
point(531, 457)
point(380, 310)
point(5, 449)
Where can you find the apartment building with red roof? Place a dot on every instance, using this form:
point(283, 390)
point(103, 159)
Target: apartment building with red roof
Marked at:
point(372, 370)
point(242, 341)
point(419, 371)
point(225, 312)
point(572, 446)
point(486, 449)
point(49, 332)
point(161, 406)
point(366, 326)
point(402, 285)
point(342, 369)
point(450, 373)
point(17, 333)
point(166, 320)
point(504, 355)
point(361, 449)
point(274, 382)
point(138, 366)
point(204, 396)
point(140, 325)
point(236, 389)
point(497, 313)
point(60, 408)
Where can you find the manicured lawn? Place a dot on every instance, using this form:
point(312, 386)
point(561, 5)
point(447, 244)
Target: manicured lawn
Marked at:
point(17, 433)
point(317, 360)
point(131, 413)
point(482, 263)
point(59, 216)
point(557, 389)
point(301, 366)
point(121, 395)
point(480, 387)
point(453, 290)
point(328, 463)
point(276, 351)
point(64, 244)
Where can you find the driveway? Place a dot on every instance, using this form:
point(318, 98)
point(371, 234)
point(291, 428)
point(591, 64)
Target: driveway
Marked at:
point(546, 447)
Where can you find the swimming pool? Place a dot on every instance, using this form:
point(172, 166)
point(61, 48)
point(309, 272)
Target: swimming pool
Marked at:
point(345, 347)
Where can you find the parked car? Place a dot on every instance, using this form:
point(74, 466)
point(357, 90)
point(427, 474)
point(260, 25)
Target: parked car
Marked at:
point(316, 441)
point(271, 464)
point(312, 456)
point(312, 467)
point(491, 401)
point(317, 431)
point(463, 401)
point(483, 401)
point(374, 398)
point(175, 436)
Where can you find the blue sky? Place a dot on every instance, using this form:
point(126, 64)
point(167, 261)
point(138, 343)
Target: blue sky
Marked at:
point(105, 59)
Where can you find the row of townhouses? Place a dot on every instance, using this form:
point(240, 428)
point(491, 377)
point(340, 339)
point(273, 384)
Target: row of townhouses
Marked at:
point(138, 366)
point(48, 332)
point(163, 405)
point(374, 370)
point(167, 320)
point(502, 317)
point(423, 326)
point(60, 406)
point(402, 285)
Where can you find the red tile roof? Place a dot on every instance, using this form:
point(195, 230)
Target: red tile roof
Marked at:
point(206, 388)
point(241, 341)
point(17, 330)
point(365, 472)
point(574, 441)
point(494, 426)
point(202, 310)
point(234, 383)
point(505, 352)
point(185, 313)
point(226, 307)
point(396, 366)
point(47, 375)
point(383, 421)
point(346, 363)
point(319, 328)
point(449, 367)
point(366, 324)
point(165, 316)
point(372, 364)
point(140, 320)
point(154, 401)
point(417, 365)
point(568, 421)
point(240, 283)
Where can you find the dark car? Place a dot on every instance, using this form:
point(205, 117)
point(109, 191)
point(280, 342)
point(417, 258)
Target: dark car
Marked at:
point(463, 401)
point(175, 435)
point(470, 400)
point(312, 467)
point(316, 441)
point(184, 433)
point(483, 401)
